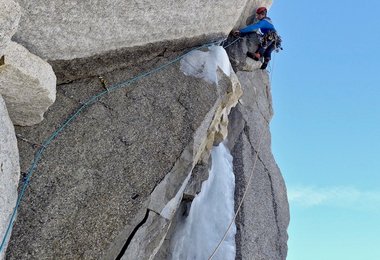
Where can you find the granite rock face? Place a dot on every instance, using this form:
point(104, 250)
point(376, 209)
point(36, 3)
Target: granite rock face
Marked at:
point(87, 28)
point(167, 198)
point(9, 170)
point(28, 85)
point(94, 183)
point(263, 219)
point(248, 12)
point(113, 184)
point(9, 19)
point(88, 38)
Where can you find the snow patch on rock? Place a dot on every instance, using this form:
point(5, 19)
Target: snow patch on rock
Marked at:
point(211, 212)
point(205, 64)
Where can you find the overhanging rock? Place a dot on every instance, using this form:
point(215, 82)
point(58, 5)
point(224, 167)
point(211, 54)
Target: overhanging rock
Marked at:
point(87, 28)
point(87, 38)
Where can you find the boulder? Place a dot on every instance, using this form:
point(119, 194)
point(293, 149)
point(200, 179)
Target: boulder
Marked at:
point(9, 171)
point(28, 85)
point(9, 19)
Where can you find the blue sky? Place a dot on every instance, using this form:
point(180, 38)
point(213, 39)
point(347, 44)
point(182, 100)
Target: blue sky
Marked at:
point(326, 128)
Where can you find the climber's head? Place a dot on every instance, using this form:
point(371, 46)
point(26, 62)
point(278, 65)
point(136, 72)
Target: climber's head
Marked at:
point(261, 12)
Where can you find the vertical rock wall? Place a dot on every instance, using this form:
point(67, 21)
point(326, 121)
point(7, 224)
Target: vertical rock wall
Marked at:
point(9, 171)
point(263, 219)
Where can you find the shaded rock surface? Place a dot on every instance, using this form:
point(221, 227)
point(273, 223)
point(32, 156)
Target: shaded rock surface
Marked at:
point(9, 19)
point(238, 53)
point(82, 203)
point(9, 170)
point(28, 85)
point(166, 198)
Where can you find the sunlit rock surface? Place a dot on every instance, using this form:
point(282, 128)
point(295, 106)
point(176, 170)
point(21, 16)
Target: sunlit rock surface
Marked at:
point(28, 85)
point(9, 19)
point(88, 38)
point(57, 30)
point(9, 170)
point(264, 217)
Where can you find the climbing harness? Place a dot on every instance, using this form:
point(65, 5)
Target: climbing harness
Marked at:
point(271, 37)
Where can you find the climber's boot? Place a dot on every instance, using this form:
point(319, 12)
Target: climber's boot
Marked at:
point(256, 56)
point(265, 64)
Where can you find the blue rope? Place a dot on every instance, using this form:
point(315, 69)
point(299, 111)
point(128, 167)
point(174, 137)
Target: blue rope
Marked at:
point(67, 122)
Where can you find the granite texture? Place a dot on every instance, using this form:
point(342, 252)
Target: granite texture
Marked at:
point(28, 85)
point(87, 28)
point(9, 171)
point(9, 19)
point(95, 180)
point(96, 37)
point(263, 219)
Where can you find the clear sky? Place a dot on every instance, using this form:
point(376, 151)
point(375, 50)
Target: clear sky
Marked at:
point(326, 128)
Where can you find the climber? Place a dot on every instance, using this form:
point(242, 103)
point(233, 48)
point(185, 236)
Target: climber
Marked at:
point(269, 39)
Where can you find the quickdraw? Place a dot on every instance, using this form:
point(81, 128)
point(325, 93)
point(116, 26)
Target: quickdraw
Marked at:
point(270, 37)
